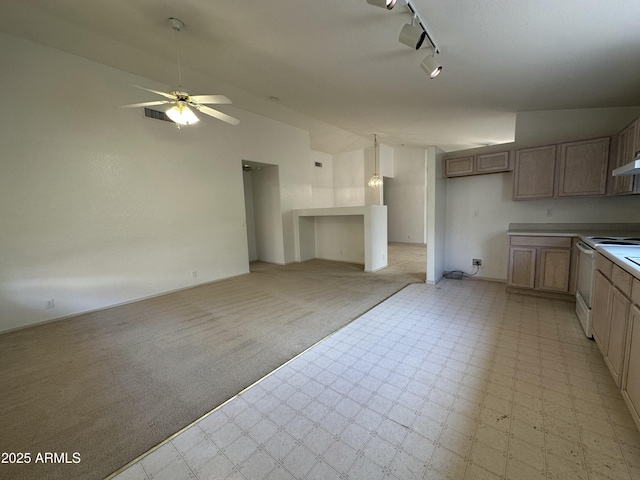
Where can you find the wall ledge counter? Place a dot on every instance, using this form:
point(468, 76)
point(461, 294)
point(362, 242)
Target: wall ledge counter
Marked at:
point(310, 240)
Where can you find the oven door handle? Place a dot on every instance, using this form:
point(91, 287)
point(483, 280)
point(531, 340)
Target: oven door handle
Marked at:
point(584, 248)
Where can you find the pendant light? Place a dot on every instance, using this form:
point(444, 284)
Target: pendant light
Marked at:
point(376, 180)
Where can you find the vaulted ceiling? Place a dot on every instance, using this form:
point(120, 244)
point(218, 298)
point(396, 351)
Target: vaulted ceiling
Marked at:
point(338, 70)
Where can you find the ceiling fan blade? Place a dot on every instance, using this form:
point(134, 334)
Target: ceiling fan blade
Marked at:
point(210, 99)
point(216, 114)
point(157, 92)
point(146, 104)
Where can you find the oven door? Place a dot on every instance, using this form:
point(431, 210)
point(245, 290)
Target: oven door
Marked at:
point(586, 271)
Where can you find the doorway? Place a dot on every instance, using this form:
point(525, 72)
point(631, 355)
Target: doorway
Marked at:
point(263, 213)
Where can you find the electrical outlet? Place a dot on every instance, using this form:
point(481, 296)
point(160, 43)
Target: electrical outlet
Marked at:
point(476, 262)
point(194, 274)
point(549, 212)
point(474, 213)
point(48, 303)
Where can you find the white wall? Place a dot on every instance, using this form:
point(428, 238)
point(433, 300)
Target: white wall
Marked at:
point(348, 179)
point(322, 188)
point(340, 238)
point(100, 206)
point(485, 236)
point(267, 214)
point(250, 216)
point(437, 215)
point(406, 197)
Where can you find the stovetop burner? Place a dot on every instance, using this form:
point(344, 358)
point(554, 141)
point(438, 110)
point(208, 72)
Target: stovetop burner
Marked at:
point(624, 241)
point(617, 242)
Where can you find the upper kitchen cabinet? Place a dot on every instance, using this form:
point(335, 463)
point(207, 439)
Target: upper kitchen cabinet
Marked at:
point(628, 146)
point(583, 168)
point(534, 172)
point(565, 170)
point(477, 164)
point(458, 167)
point(492, 162)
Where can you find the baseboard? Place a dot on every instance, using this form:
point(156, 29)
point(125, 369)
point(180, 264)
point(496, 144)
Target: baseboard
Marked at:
point(128, 302)
point(539, 293)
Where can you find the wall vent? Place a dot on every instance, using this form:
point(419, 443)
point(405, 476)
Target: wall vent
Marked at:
point(318, 164)
point(156, 115)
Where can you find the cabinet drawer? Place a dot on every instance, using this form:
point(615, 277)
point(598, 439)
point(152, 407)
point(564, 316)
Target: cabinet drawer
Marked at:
point(621, 279)
point(561, 242)
point(604, 265)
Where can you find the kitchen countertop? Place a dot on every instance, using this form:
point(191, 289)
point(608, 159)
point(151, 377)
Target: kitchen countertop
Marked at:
point(618, 254)
point(575, 229)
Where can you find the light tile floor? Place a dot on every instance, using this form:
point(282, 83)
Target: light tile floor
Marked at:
point(455, 381)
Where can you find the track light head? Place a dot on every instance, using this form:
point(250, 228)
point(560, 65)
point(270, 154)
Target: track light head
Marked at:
point(431, 66)
point(388, 4)
point(412, 35)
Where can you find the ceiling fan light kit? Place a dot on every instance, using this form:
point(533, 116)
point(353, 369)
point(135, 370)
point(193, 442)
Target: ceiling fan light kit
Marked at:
point(182, 114)
point(181, 101)
point(414, 34)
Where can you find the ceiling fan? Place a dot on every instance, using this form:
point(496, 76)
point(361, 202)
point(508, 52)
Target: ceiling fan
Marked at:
point(181, 112)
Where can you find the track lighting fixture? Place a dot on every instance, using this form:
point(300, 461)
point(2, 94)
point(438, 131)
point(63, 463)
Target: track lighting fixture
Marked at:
point(431, 66)
point(388, 4)
point(412, 35)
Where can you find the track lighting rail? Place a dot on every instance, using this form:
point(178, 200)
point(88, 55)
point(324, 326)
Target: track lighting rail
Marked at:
point(423, 25)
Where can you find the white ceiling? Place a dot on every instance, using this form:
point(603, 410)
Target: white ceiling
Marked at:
point(340, 72)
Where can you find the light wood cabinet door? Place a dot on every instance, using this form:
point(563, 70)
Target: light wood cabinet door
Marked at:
point(617, 334)
point(534, 173)
point(554, 269)
point(632, 141)
point(631, 375)
point(458, 167)
point(492, 162)
point(637, 141)
point(601, 311)
point(626, 145)
point(522, 267)
point(583, 168)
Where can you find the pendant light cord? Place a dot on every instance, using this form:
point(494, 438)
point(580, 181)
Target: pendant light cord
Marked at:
point(375, 154)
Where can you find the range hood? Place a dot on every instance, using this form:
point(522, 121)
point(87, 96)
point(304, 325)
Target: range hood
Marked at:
point(631, 168)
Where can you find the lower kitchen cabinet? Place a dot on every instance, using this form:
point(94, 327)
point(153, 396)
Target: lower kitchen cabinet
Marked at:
point(631, 377)
point(617, 334)
point(555, 268)
point(601, 306)
point(540, 263)
point(610, 316)
point(522, 267)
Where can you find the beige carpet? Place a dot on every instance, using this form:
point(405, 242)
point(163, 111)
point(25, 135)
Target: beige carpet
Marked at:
point(110, 385)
